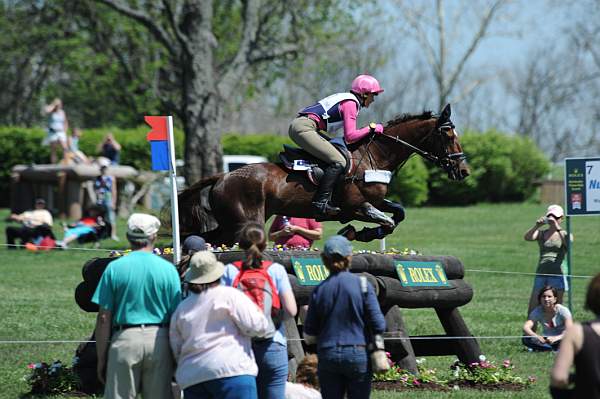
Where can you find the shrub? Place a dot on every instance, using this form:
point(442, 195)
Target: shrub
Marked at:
point(503, 168)
point(409, 186)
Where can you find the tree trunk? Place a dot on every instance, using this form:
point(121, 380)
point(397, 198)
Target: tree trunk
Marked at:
point(202, 121)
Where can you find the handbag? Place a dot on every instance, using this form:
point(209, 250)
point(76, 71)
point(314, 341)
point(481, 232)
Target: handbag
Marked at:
point(375, 346)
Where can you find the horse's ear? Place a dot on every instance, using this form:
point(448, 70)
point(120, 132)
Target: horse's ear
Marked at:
point(444, 115)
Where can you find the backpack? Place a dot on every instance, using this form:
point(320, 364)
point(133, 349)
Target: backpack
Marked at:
point(260, 288)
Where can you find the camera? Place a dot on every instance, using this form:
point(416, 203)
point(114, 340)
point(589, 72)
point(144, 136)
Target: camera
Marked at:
point(545, 220)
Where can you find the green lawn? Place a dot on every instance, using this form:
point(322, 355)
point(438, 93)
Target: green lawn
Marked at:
point(37, 290)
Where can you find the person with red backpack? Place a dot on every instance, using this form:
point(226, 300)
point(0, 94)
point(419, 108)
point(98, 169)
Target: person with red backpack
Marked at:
point(268, 286)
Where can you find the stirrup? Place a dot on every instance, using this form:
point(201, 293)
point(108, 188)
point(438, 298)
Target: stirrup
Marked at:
point(324, 209)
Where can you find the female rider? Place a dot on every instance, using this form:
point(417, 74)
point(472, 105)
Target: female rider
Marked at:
point(326, 114)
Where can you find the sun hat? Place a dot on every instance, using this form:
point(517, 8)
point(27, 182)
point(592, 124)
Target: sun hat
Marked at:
point(141, 225)
point(204, 268)
point(193, 244)
point(555, 210)
point(337, 245)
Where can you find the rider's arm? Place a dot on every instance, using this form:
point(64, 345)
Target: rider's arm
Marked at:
point(349, 112)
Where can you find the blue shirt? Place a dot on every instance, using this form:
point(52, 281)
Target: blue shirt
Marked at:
point(282, 282)
point(339, 312)
point(139, 288)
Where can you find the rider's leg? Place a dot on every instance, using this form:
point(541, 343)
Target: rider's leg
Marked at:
point(322, 199)
point(303, 131)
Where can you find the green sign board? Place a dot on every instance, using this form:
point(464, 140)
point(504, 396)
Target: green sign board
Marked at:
point(582, 186)
point(421, 274)
point(310, 271)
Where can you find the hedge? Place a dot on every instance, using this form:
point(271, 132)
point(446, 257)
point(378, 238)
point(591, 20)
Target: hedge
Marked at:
point(503, 167)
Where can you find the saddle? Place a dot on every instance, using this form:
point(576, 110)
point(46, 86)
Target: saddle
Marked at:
point(297, 160)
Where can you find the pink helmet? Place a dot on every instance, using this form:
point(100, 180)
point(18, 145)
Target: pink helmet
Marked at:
point(365, 84)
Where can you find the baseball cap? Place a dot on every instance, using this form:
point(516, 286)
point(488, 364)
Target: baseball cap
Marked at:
point(193, 244)
point(204, 268)
point(337, 245)
point(141, 225)
point(555, 210)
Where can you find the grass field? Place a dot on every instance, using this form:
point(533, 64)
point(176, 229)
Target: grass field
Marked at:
point(37, 304)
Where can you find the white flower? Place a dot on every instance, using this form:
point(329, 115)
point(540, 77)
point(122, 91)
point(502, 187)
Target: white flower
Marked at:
point(456, 387)
point(482, 358)
point(420, 360)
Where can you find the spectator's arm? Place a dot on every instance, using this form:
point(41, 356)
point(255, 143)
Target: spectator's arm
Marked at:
point(570, 345)
point(532, 233)
point(288, 303)
point(103, 329)
point(114, 194)
point(528, 330)
point(247, 316)
point(313, 235)
point(175, 339)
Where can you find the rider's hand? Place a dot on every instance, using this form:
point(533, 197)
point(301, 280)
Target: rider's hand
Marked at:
point(379, 128)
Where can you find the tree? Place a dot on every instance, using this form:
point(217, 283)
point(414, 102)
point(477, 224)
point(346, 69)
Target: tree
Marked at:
point(213, 47)
point(429, 27)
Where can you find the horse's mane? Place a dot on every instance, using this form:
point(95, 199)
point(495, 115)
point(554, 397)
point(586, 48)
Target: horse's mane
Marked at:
point(409, 117)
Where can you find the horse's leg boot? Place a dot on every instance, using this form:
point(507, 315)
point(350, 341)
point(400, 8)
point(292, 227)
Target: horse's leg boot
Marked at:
point(322, 199)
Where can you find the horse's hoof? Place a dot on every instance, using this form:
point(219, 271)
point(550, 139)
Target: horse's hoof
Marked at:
point(348, 231)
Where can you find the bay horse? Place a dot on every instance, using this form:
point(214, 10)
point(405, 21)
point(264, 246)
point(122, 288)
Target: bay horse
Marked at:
point(255, 192)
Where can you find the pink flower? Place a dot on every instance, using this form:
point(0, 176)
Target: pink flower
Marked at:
point(506, 363)
point(416, 383)
point(31, 366)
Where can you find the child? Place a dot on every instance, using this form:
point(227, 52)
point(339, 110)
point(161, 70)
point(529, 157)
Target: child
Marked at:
point(307, 382)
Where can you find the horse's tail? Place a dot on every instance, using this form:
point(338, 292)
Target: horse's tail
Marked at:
point(195, 216)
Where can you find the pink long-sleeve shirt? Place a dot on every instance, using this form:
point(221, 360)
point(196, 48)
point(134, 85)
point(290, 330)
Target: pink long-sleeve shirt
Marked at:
point(349, 111)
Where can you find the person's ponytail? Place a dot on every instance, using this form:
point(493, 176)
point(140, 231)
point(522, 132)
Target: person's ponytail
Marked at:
point(253, 240)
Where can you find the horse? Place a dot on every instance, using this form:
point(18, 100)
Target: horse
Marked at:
point(255, 192)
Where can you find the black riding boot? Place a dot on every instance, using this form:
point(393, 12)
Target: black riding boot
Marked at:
point(322, 199)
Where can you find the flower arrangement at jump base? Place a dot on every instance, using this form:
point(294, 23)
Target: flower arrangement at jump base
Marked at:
point(484, 374)
point(276, 248)
point(51, 379)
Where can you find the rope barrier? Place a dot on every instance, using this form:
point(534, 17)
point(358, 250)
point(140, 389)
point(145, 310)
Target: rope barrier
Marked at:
point(466, 270)
point(417, 338)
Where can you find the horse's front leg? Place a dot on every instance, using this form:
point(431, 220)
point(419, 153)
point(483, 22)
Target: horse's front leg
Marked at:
point(368, 213)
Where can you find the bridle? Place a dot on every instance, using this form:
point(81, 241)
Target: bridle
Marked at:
point(444, 161)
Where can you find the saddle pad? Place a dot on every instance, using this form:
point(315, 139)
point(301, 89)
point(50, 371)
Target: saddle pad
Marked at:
point(378, 176)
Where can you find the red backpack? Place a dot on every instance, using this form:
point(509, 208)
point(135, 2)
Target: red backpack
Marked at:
point(260, 288)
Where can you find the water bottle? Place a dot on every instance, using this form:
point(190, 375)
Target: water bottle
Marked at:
point(286, 221)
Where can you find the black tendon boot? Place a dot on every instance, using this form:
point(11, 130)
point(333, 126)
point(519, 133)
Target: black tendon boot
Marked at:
point(322, 199)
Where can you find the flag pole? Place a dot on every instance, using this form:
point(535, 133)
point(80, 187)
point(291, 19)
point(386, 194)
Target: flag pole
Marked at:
point(174, 200)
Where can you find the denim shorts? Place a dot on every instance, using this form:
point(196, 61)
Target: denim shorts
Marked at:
point(556, 281)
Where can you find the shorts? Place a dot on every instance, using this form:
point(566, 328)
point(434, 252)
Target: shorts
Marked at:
point(54, 137)
point(557, 281)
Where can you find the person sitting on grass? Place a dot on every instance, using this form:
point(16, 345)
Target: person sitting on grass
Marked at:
point(553, 317)
point(307, 380)
point(86, 225)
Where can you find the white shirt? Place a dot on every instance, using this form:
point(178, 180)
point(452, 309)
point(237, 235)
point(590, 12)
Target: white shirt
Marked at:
point(300, 391)
point(210, 335)
point(37, 217)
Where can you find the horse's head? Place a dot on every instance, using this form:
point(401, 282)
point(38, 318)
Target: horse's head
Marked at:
point(445, 149)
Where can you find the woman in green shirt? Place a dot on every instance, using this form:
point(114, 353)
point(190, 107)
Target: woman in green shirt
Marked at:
point(553, 246)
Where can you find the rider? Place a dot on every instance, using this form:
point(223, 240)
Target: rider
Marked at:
point(327, 114)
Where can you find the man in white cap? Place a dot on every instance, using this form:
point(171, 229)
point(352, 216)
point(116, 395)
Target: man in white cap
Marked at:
point(137, 295)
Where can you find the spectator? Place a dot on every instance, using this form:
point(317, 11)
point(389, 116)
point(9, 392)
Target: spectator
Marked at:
point(271, 354)
point(552, 244)
point(88, 224)
point(210, 335)
point(581, 347)
point(295, 232)
point(74, 154)
point(137, 295)
point(338, 316)
point(35, 223)
point(58, 125)
point(307, 381)
point(109, 148)
point(105, 187)
point(553, 317)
